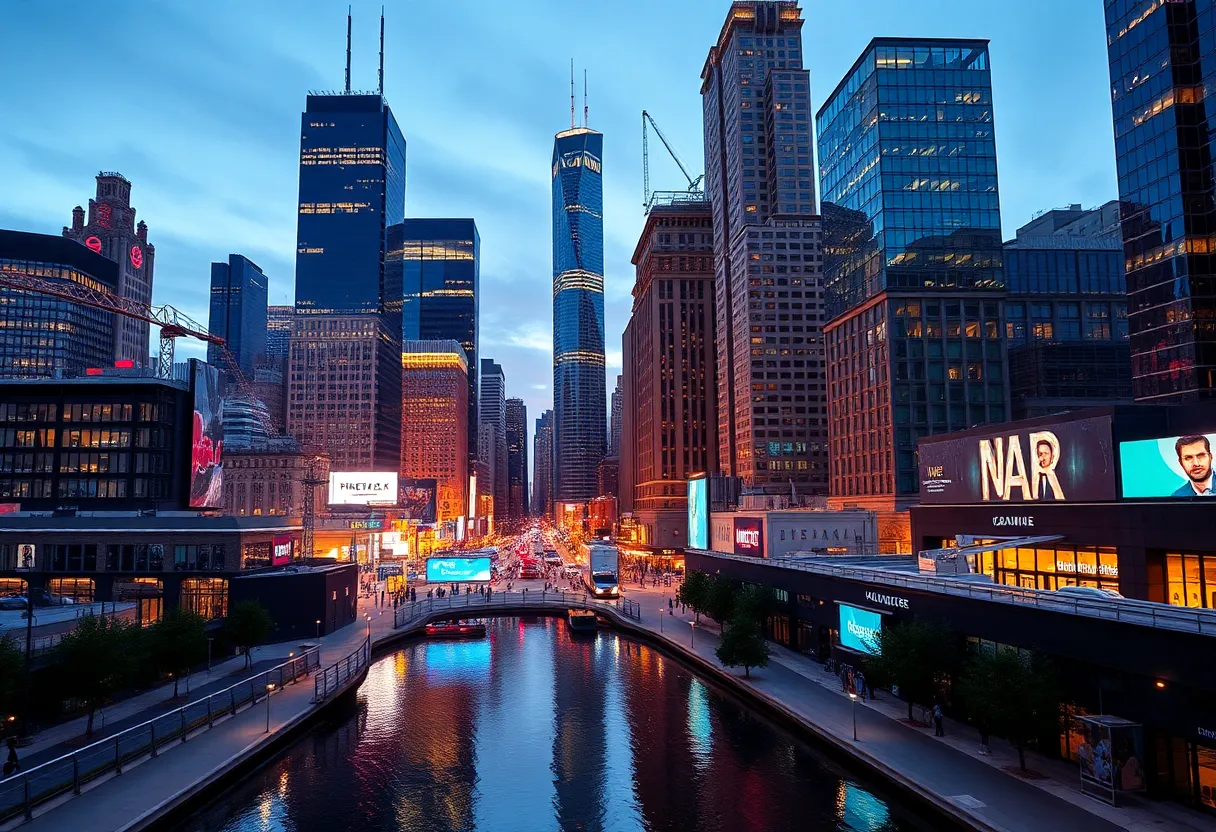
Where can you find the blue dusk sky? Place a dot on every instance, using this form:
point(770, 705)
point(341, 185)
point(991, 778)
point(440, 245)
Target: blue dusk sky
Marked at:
point(198, 104)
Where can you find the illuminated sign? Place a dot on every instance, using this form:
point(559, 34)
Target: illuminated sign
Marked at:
point(698, 513)
point(859, 629)
point(362, 488)
point(444, 570)
point(887, 600)
point(281, 548)
point(749, 536)
point(26, 556)
point(94, 243)
point(137, 256)
point(1175, 467)
point(1024, 521)
point(365, 525)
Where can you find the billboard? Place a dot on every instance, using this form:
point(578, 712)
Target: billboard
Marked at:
point(749, 536)
point(1063, 462)
point(362, 488)
point(26, 556)
point(207, 442)
point(416, 499)
point(1172, 466)
point(446, 570)
point(698, 513)
point(281, 548)
point(859, 629)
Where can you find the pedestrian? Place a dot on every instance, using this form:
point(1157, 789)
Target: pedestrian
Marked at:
point(382, 597)
point(860, 679)
point(670, 607)
point(938, 730)
point(12, 757)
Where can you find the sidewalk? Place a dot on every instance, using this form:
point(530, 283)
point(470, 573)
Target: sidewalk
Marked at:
point(949, 766)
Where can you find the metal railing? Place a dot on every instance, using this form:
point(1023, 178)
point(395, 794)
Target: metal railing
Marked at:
point(22, 792)
point(1126, 611)
point(631, 609)
point(334, 678)
point(475, 603)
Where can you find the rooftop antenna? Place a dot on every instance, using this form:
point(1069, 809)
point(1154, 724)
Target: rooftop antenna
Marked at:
point(572, 93)
point(348, 50)
point(584, 98)
point(381, 51)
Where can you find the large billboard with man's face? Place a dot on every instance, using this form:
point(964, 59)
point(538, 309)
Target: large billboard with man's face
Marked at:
point(416, 499)
point(1064, 462)
point(207, 440)
point(1170, 467)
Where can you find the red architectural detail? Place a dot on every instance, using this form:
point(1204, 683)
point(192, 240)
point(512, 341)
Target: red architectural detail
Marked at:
point(94, 243)
point(137, 256)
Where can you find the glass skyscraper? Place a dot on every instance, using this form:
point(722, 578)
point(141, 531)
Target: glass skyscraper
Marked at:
point(579, 386)
point(1162, 76)
point(238, 312)
point(912, 260)
point(440, 264)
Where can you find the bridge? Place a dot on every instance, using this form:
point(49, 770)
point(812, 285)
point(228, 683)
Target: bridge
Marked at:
point(412, 617)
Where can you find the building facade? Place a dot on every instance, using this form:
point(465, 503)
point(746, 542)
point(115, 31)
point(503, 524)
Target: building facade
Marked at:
point(1162, 59)
point(579, 407)
point(279, 321)
point(614, 421)
point(912, 261)
point(434, 428)
point(668, 402)
point(344, 390)
point(492, 447)
point(246, 422)
point(269, 479)
point(238, 312)
point(517, 459)
point(42, 335)
point(760, 181)
point(542, 463)
point(440, 265)
point(112, 232)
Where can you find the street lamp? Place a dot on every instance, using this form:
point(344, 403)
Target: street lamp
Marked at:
point(660, 619)
point(853, 696)
point(318, 628)
point(209, 640)
point(692, 634)
point(269, 690)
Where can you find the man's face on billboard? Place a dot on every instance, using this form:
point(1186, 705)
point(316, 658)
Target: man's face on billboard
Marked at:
point(1196, 461)
point(1044, 454)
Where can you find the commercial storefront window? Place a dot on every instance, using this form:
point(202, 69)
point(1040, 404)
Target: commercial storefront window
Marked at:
point(146, 593)
point(1190, 579)
point(1047, 567)
point(206, 596)
point(80, 590)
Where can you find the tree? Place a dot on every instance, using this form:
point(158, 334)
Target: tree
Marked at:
point(917, 656)
point(247, 625)
point(754, 603)
point(1012, 695)
point(694, 592)
point(95, 659)
point(12, 668)
point(720, 599)
point(179, 641)
point(743, 644)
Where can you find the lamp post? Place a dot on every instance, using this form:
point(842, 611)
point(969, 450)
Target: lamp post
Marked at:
point(660, 619)
point(318, 628)
point(209, 640)
point(269, 690)
point(692, 635)
point(853, 696)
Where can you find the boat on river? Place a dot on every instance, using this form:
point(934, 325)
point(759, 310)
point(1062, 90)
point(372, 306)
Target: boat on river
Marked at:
point(474, 628)
point(581, 621)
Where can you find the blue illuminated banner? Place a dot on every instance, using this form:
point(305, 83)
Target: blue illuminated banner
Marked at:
point(442, 570)
point(698, 513)
point(859, 629)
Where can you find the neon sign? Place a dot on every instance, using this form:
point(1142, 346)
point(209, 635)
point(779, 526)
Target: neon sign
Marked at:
point(137, 256)
point(94, 243)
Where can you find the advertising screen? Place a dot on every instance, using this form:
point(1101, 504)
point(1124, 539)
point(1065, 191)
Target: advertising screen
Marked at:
point(1173, 466)
point(416, 499)
point(698, 513)
point(445, 570)
point(859, 629)
point(207, 443)
point(364, 488)
point(749, 536)
point(281, 548)
point(1063, 462)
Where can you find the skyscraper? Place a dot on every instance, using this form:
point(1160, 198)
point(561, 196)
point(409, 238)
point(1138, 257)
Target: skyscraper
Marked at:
point(614, 421)
point(912, 260)
point(492, 421)
point(1162, 61)
point(760, 181)
point(542, 462)
point(517, 459)
point(111, 231)
point(279, 321)
point(345, 365)
point(579, 413)
point(440, 278)
point(434, 404)
point(238, 311)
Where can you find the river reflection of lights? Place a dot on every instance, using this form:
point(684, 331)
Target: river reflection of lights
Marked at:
point(453, 661)
point(857, 809)
point(700, 730)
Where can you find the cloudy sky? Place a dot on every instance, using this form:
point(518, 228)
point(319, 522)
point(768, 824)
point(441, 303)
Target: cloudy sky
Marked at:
point(198, 104)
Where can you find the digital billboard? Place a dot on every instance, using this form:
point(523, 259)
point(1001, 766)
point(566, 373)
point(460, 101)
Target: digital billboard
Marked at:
point(698, 513)
point(207, 442)
point(416, 499)
point(859, 629)
point(1172, 466)
point(362, 488)
point(749, 536)
point(450, 570)
point(281, 548)
point(1061, 462)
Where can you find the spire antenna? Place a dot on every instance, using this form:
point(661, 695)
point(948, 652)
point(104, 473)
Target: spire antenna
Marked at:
point(584, 98)
point(381, 76)
point(348, 50)
point(572, 93)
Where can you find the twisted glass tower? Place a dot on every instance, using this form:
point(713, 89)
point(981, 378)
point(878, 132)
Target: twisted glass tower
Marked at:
point(580, 415)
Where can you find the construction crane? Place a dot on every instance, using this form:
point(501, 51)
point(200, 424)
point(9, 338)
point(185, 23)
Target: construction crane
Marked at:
point(694, 184)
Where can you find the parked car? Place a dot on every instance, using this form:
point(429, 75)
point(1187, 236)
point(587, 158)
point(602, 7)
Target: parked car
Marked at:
point(1092, 592)
point(13, 602)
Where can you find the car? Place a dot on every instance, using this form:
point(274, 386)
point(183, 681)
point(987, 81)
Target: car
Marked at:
point(13, 602)
point(1092, 592)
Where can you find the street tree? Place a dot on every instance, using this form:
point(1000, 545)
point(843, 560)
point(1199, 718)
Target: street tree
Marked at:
point(918, 656)
point(720, 599)
point(179, 642)
point(754, 603)
point(694, 592)
point(95, 659)
point(742, 644)
point(1012, 695)
point(247, 625)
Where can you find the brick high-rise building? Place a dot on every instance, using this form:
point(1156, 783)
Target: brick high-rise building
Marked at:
point(434, 423)
point(760, 180)
point(542, 463)
point(614, 421)
point(112, 232)
point(517, 459)
point(668, 407)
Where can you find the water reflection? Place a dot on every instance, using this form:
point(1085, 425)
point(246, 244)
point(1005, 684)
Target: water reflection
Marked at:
point(532, 729)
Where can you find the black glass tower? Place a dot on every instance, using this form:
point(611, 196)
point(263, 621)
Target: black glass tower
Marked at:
point(238, 311)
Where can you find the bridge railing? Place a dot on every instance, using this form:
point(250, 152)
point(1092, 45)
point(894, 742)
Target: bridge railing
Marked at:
point(22, 792)
point(334, 678)
point(474, 602)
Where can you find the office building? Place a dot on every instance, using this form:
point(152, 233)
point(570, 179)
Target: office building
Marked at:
point(492, 448)
point(279, 321)
point(112, 232)
point(434, 427)
point(246, 422)
point(42, 335)
point(1066, 312)
point(614, 421)
point(440, 264)
point(912, 264)
point(268, 479)
point(1162, 73)
point(608, 477)
point(668, 403)
point(238, 312)
point(542, 463)
point(579, 409)
point(760, 180)
point(344, 388)
point(517, 459)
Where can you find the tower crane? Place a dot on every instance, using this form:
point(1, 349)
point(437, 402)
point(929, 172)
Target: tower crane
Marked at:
point(694, 184)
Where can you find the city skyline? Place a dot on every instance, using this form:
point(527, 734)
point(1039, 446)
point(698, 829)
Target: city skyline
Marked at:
point(214, 203)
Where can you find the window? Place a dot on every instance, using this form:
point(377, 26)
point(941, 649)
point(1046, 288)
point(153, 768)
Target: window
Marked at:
point(206, 596)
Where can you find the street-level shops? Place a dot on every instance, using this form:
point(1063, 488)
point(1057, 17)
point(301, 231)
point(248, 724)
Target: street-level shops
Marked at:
point(1152, 673)
point(791, 532)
